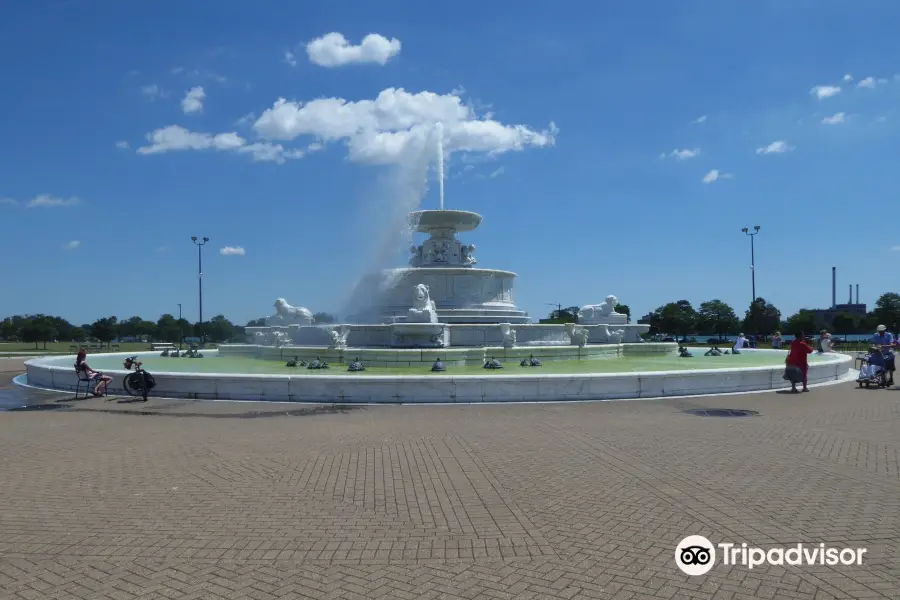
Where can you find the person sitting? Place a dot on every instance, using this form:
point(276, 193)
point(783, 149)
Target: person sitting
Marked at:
point(714, 351)
point(873, 363)
point(683, 352)
point(82, 367)
point(739, 343)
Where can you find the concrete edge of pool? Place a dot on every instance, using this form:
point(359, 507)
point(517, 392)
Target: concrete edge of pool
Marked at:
point(48, 373)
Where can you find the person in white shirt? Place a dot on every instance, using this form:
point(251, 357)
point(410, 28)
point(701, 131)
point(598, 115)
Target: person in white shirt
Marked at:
point(739, 343)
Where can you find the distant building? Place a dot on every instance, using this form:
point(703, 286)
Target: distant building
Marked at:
point(645, 320)
point(828, 314)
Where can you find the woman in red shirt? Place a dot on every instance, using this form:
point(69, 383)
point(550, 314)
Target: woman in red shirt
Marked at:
point(798, 356)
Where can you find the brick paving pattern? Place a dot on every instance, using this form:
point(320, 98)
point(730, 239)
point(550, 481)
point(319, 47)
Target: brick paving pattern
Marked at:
point(180, 499)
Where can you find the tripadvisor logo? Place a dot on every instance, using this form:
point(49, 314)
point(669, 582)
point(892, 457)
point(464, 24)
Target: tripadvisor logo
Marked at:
point(696, 555)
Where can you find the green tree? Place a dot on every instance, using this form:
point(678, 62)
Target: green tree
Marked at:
point(716, 317)
point(562, 315)
point(678, 318)
point(625, 310)
point(260, 322)
point(805, 321)
point(887, 311)
point(762, 318)
point(104, 329)
point(39, 328)
point(167, 329)
point(218, 329)
point(78, 334)
point(844, 323)
point(320, 318)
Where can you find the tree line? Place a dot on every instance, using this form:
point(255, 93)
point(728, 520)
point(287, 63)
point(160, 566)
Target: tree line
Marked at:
point(41, 328)
point(715, 317)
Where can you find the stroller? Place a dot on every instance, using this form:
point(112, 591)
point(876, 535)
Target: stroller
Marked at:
point(877, 369)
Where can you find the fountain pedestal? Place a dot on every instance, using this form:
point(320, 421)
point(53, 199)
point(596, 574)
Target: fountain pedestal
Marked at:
point(420, 335)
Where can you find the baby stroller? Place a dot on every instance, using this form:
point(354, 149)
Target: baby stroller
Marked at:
point(877, 369)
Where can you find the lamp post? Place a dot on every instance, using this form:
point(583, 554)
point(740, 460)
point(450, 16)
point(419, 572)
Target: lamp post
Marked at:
point(200, 242)
point(180, 332)
point(752, 234)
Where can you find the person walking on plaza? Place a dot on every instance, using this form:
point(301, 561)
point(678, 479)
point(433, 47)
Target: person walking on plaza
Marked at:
point(798, 357)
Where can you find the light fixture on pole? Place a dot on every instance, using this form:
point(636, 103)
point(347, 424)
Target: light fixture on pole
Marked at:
point(180, 331)
point(200, 242)
point(752, 235)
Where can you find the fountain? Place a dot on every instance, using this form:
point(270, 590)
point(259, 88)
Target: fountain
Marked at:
point(425, 327)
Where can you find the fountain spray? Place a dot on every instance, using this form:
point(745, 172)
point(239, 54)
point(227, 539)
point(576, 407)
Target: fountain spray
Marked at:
point(440, 160)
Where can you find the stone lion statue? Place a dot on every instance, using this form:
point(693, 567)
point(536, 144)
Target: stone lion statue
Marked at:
point(285, 314)
point(609, 306)
point(423, 310)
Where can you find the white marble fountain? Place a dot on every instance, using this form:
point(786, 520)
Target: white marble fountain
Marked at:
point(443, 301)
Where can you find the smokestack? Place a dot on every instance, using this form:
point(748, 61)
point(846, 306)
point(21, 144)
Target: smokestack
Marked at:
point(857, 293)
point(850, 301)
point(833, 287)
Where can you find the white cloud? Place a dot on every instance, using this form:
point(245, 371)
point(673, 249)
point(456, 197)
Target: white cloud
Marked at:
point(74, 244)
point(871, 82)
point(290, 58)
point(700, 119)
point(153, 91)
point(122, 144)
point(825, 91)
point(193, 100)
point(715, 175)
point(848, 77)
point(683, 154)
point(778, 147)
point(232, 251)
point(175, 137)
point(333, 50)
point(497, 172)
point(246, 120)
point(835, 119)
point(48, 201)
point(397, 126)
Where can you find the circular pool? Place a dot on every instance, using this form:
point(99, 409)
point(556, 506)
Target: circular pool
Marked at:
point(616, 376)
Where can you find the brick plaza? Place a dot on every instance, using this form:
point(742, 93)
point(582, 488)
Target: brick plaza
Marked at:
point(180, 499)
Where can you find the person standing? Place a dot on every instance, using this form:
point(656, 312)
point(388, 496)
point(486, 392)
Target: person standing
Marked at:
point(777, 341)
point(739, 343)
point(798, 357)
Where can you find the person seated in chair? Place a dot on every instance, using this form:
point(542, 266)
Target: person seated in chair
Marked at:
point(683, 352)
point(88, 373)
point(873, 363)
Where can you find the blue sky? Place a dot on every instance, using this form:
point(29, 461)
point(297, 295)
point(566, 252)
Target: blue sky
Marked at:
point(577, 200)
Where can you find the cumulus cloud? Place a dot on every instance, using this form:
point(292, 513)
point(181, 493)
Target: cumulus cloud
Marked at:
point(825, 91)
point(715, 175)
point(848, 77)
point(48, 201)
point(74, 244)
point(290, 58)
point(153, 91)
point(871, 82)
point(778, 147)
point(123, 145)
point(193, 100)
point(396, 126)
point(232, 251)
point(175, 137)
point(334, 50)
point(682, 154)
point(835, 119)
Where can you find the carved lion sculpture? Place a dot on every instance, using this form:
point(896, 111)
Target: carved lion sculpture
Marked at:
point(609, 306)
point(423, 310)
point(285, 314)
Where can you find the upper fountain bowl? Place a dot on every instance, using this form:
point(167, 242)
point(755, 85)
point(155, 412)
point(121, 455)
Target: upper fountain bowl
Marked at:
point(424, 221)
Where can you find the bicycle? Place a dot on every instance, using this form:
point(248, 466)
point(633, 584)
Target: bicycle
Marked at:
point(139, 382)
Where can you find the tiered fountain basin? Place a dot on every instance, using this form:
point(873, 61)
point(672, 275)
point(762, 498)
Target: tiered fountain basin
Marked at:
point(616, 372)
